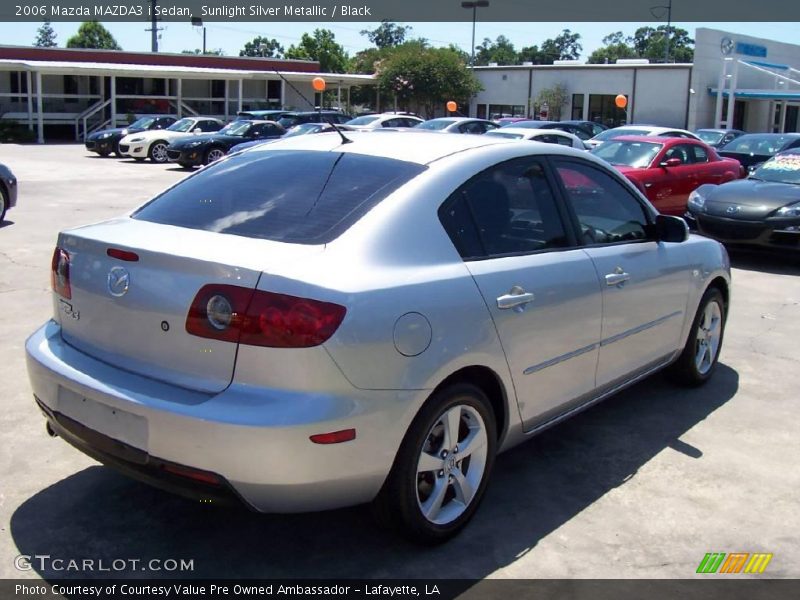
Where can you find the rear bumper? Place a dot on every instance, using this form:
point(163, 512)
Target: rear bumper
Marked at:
point(255, 440)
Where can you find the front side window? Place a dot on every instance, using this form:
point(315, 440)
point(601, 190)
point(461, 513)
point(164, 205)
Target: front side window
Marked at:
point(700, 154)
point(507, 209)
point(607, 212)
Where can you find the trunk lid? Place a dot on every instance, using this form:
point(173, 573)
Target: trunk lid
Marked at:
point(141, 326)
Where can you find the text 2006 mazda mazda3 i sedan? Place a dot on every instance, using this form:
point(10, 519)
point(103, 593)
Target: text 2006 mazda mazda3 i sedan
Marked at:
point(317, 322)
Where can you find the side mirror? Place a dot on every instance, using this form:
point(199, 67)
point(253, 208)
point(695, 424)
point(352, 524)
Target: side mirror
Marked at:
point(671, 162)
point(671, 229)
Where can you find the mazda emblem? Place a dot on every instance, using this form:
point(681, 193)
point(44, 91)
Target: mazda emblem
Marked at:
point(118, 281)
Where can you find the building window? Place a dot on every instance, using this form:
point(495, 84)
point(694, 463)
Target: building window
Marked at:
point(603, 110)
point(218, 88)
point(274, 92)
point(498, 111)
point(577, 107)
point(18, 82)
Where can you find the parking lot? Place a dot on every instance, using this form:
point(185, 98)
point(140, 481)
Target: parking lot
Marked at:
point(641, 486)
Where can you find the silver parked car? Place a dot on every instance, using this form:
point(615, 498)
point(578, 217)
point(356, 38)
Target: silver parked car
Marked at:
point(312, 324)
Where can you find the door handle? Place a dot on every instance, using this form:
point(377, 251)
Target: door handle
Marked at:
point(618, 277)
point(516, 298)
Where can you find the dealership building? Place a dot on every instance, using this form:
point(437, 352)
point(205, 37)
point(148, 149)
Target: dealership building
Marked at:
point(762, 77)
point(65, 93)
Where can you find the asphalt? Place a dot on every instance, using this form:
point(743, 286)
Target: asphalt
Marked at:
point(641, 486)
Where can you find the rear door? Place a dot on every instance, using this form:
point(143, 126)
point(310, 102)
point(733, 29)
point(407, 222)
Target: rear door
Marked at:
point(541, 289)
point(644, 282)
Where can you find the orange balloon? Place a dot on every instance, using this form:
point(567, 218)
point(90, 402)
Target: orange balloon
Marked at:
point(621, 101)
point(452, 106)
point(318, 83)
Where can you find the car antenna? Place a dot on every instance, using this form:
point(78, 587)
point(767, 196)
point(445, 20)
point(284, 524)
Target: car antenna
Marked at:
point(345, 139)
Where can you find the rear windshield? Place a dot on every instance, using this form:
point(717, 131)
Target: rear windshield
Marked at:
point(610, 134)
point(757, 144)
point(294, 196)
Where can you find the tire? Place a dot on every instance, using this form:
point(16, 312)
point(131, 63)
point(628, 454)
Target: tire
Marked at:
point(213, 155)
point(3, 203)
point(158, 152)
point(104, 154)
point(138, 159)
point(698, 361)
point(431, 494)
point(117, 153)
point(185, 165)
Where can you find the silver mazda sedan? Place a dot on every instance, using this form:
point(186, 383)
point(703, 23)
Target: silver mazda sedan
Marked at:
point(324, 321)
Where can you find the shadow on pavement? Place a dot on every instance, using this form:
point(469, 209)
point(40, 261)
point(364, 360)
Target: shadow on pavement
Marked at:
point(773, 262)
point(536, 488)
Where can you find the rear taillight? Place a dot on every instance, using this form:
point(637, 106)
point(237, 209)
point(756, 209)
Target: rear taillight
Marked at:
point(256, 318)
point(59, 273)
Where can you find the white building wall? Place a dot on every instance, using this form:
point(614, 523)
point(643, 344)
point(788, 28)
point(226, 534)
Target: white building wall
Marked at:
point(708, 60)
point(661, 97)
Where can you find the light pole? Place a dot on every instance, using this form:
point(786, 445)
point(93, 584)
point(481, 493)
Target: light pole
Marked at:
point(668, 8)
point(198, 22)
point(474, 5)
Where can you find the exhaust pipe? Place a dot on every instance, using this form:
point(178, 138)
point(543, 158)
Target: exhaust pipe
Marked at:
point(49, 429)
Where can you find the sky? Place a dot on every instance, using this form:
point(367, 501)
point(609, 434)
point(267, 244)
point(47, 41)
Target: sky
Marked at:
point(231, 37)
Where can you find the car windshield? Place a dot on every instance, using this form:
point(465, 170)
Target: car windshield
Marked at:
point(294, 196)
point(710, 137)
point(142, 123)
point(780, 169)
point(757, 144)
point(610, 134)
point(435, 124)
point(365, 120)
point(303, 129)
point(238, 128)
point(183, 125)
point(505, 134)
point(629, 154)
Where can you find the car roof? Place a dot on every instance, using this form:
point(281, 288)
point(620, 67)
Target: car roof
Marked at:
point(653, 139)
point(532, 131)
point(417, 146)
point(313, 112)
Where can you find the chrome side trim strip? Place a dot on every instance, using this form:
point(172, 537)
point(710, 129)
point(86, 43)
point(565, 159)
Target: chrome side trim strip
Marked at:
point(558, 359)
point(639, 329)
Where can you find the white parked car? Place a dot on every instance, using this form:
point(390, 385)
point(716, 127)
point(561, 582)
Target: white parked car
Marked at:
point(610, 134)
point(153, 144)
point(547, 136)
point(367, 122)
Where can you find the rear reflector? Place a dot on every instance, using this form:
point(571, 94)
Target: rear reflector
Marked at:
point(59, 273)
point(235, 314)
point(122, 254)
point(203, 476)
point(334, 437)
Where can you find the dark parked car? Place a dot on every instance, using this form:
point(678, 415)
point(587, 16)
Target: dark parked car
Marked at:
point(262, 115)
point(203, 149)
point(313, 116)
point(8, 190)
point(760, 211)
point(585, 130)
point(752, 149)
point(303, 129)
point(718, 137)
point(106, 141)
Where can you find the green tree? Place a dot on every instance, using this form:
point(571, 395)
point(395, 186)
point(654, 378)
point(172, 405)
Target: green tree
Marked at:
point(555, 98)
point(92, 34)
point(423, 78)
point(323, 48)
point(387, 34)
point(45, 36)
point(565, 46)
point(615, 46)
point(501, 51)
point(651, 44)
point(262, 46)
point(531, 54)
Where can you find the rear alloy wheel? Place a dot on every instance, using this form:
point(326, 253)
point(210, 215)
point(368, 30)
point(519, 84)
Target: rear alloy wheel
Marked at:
point(214, 155)
point(698, 360)
point(442, 468)
point(158, 152)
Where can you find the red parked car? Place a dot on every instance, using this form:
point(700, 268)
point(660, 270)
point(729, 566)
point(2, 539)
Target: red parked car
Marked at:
point(667, 170)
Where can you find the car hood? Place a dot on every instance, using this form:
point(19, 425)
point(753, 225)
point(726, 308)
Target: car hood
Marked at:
point(626, 170)
point(156, 134)
point(754, 198)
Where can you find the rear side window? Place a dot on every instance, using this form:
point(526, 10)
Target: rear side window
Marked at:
point(295, 196)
